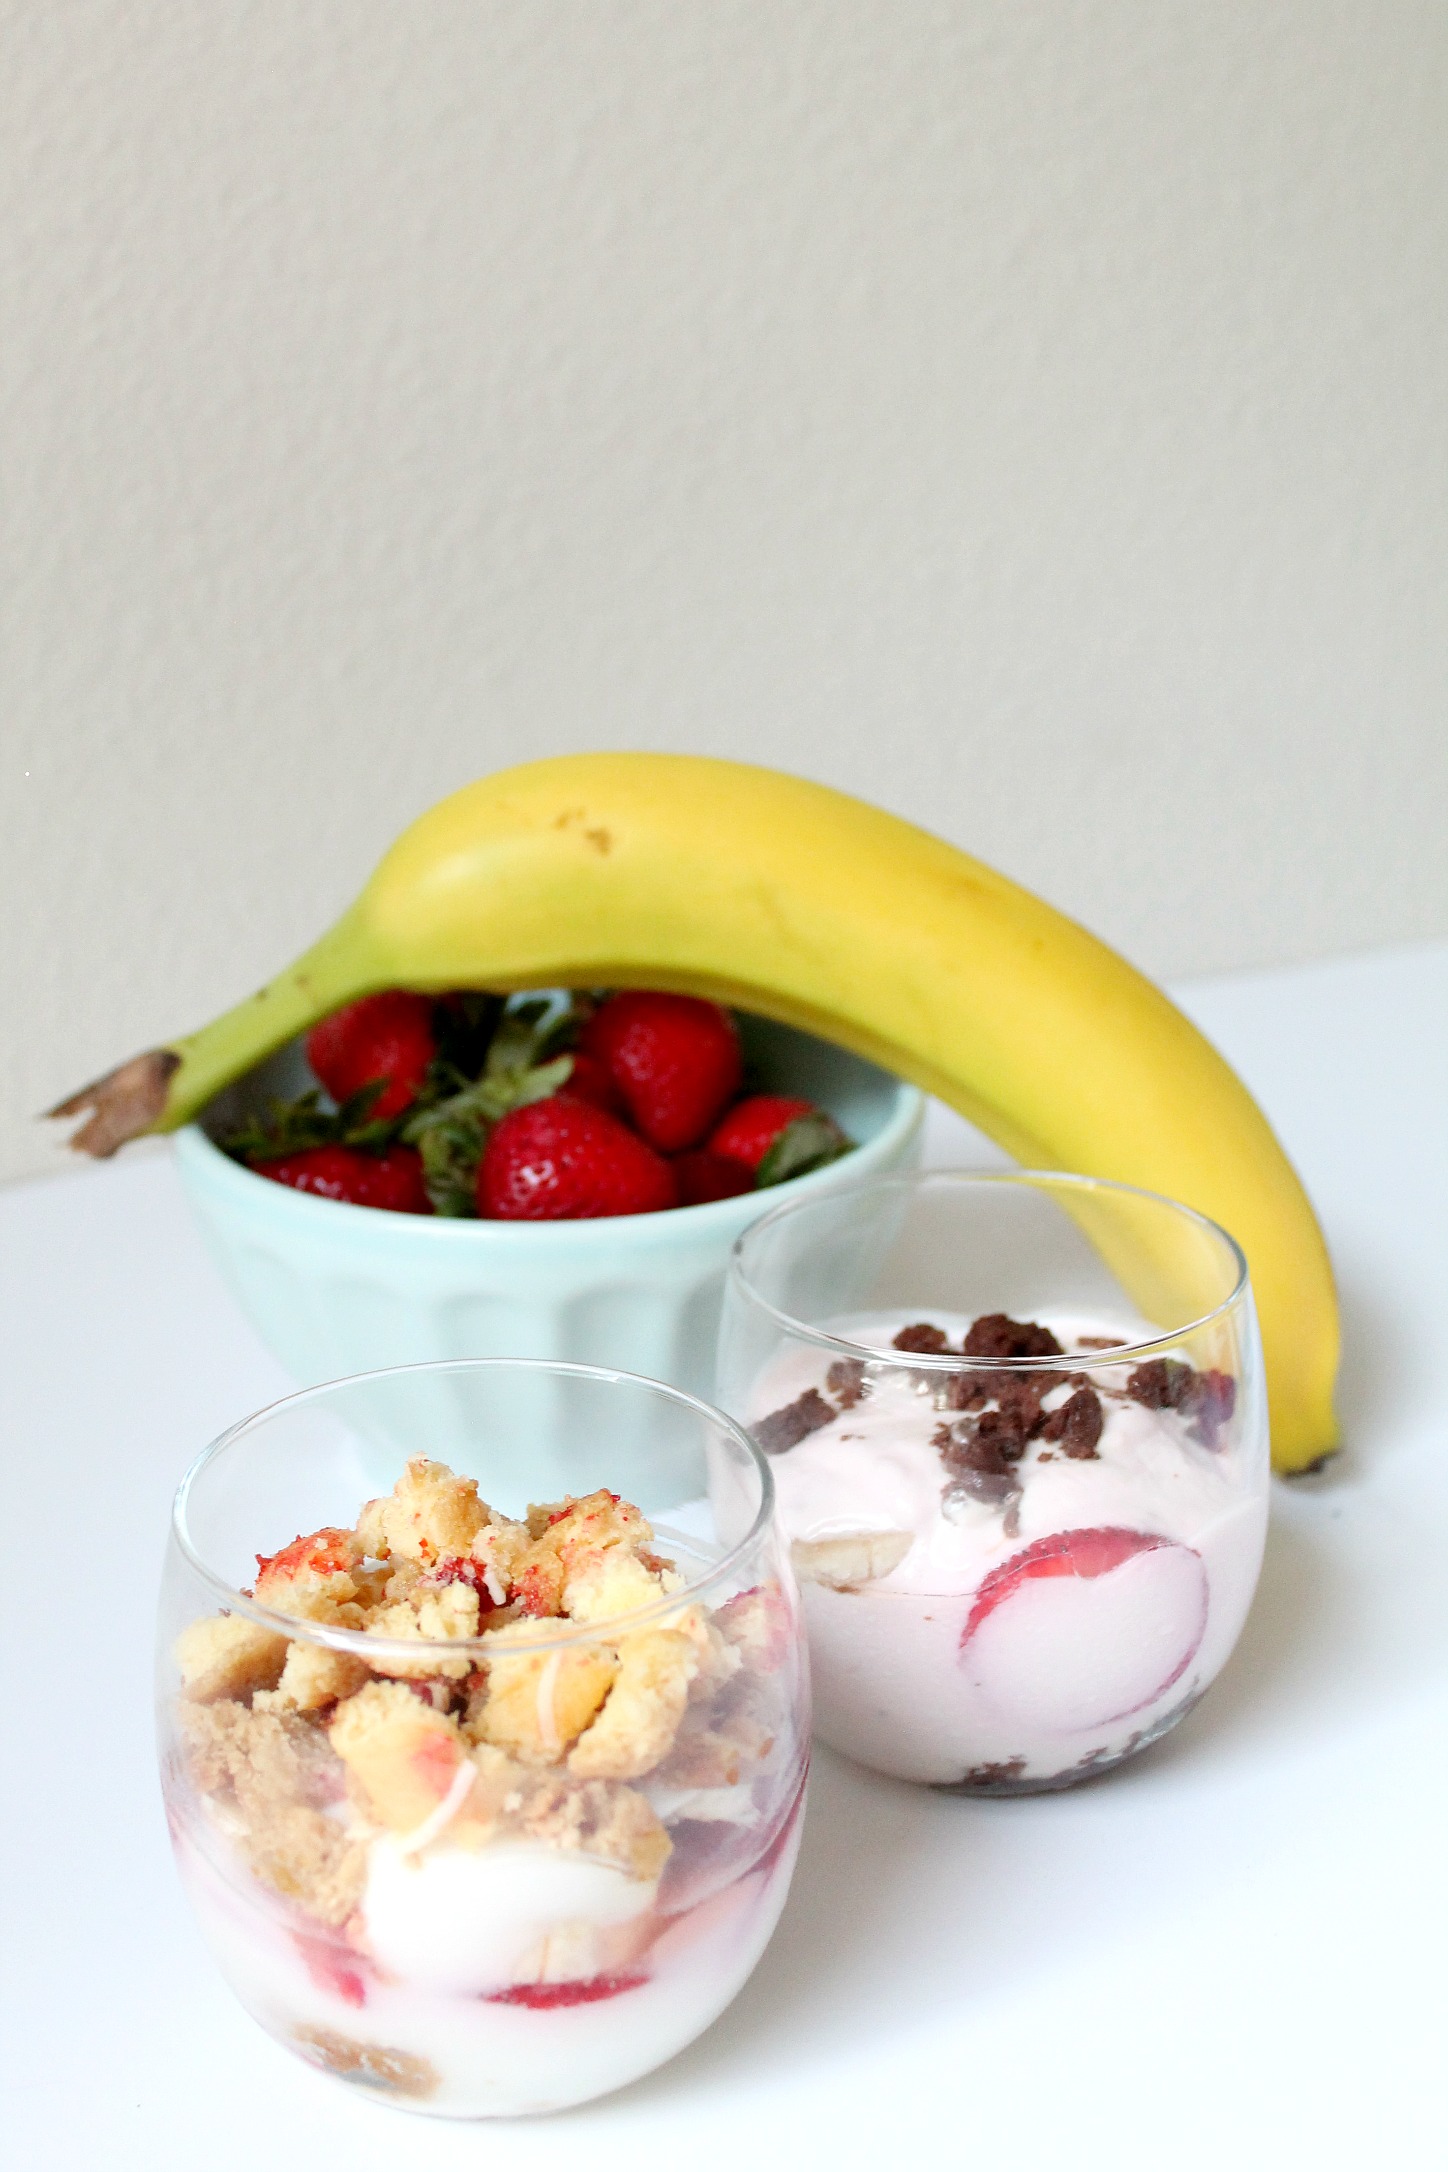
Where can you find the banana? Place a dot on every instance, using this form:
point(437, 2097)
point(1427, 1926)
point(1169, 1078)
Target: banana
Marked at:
point(783, 897)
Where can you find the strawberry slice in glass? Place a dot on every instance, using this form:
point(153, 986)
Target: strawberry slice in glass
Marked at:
point(1085, 1627)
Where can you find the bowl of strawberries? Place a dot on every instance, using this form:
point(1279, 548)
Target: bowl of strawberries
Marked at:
point(553, 1175)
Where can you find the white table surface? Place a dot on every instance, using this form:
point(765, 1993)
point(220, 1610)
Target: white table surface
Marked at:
point(1233, 1951)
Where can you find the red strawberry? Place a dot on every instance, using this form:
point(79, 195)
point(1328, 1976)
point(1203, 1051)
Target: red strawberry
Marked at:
point(702, 1176)
point(392, 1179)
point(388, 1036)
point(564, 1160)
point(332, 1966)
point(590, 1080)
point(752, 1126)
point(674, 1059)
point(580, 1991)
point(1085, 1627)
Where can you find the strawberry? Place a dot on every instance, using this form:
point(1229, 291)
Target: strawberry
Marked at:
point(564, 1160)
point(388, 1036)
point(332, 1966)
point(702, 1175)
point(580, 1991)
point(674, 1059)
point(776, 1136)
point(1083, 1628)
point(752, 1126)
point(392, 1179)
point(590, 1080)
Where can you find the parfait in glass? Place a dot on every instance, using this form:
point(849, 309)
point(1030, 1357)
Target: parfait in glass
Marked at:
point(1019, 1437)
point(483, 1724)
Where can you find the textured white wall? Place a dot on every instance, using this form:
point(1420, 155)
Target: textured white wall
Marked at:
point(1028, 414)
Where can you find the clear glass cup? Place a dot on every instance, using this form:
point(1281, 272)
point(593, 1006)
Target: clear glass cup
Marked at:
point(498, 1872)
point(1019, 1435)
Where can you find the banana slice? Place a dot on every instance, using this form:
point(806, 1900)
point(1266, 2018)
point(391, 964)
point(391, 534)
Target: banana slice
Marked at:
point(845, 1563)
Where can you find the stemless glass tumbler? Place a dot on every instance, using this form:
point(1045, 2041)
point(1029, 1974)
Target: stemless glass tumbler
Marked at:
point(1019, 1436)
point(456, 1846)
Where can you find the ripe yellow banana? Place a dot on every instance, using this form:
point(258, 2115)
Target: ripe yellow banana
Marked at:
point(782, 897)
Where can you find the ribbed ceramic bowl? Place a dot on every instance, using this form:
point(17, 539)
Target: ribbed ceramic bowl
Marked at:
point(336, 1289)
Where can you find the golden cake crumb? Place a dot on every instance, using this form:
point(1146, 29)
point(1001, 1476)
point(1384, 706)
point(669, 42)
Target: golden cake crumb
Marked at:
point(429, 1512)
point(312, 1578)
point(643, 1709)
point(400, 2073)
point(277, 1775)
point(403, 1754)
point(536, 1703)
point(226, 1655)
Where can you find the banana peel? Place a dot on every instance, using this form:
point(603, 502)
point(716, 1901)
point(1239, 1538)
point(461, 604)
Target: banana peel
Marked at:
point(786, 898)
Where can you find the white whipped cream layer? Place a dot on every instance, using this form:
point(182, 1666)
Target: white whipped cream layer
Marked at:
point(471, 1920)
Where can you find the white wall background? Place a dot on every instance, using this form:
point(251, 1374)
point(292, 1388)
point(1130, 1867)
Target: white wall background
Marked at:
point(1027, 413)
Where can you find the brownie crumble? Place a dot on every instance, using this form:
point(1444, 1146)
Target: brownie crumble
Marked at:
point(786, 1428)
point(996, 1335)
point(1076, 1425)
point(1212, 1405)
point(1160, 1384)
point(966, 1391)
point(847, 1382)
point(924, 1339)
point(988, 1776)
point(1208, 1399)
point(980, 1461)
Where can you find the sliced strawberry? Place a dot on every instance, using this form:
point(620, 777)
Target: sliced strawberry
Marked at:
point(392, 1179)
point(1085, 1627)
point(751, 1127)
point(564, 1160)
point(674, 1059)
point(702, 1176)
point(388, 1036)
point(584, 1991)
point(332, 1967)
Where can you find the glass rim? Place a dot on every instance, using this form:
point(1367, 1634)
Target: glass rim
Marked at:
point(953, 1361)
point(336, 1637)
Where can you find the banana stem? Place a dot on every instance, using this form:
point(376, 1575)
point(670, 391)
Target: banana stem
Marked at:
point(165, 1087)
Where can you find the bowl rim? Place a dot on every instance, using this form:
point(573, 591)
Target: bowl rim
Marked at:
point(952, 1361)
point(360, 1642)
point(197, 1151)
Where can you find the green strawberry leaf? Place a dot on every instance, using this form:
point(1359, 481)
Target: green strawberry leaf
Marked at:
point(291, 1127)
point(808, 1143)
point(451, 1135)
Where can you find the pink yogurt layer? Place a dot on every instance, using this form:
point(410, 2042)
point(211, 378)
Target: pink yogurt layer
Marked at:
point(1019, 1644)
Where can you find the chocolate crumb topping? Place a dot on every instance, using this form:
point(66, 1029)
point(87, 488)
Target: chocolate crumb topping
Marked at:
point(847, 1382)
point(996, 1335)
point(1213, 1402)
point(1161, 1384)
point(924, 1338)
point(966, 1446)
point(786, 1428)
point(1076, 1425)
point(1100, 1342)
point(966, 1391)
point(1208, 1399)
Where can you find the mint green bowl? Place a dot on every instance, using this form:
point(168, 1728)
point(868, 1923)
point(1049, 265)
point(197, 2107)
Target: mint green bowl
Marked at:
point(334, 1290)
